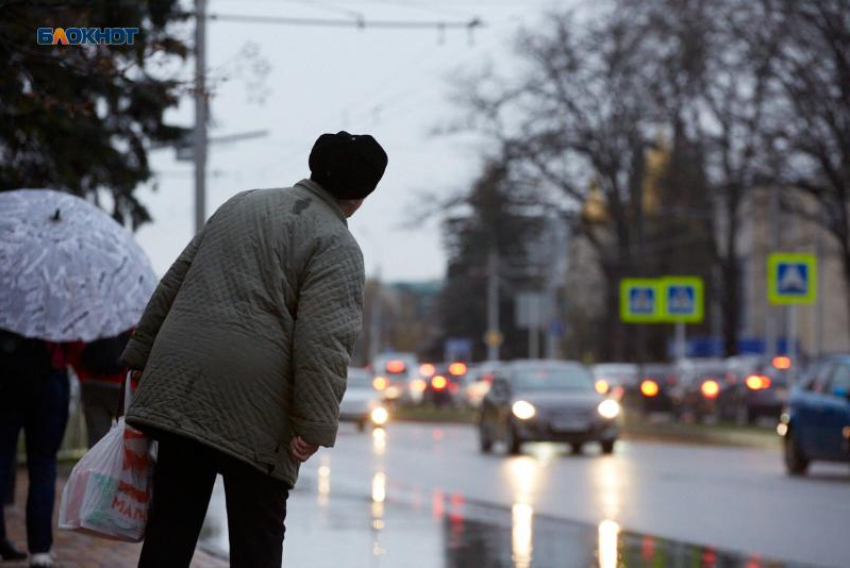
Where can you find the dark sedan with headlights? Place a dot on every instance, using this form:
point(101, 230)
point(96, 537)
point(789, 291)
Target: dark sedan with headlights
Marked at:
point(555, 401)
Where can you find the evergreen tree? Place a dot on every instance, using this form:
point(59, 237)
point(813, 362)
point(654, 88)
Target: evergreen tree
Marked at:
point(81, 118)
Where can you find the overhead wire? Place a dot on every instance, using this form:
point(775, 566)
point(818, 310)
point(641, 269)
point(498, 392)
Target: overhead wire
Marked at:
point(297, 148)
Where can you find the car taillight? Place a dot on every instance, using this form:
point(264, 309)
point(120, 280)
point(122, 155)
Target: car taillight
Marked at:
point(601, 386)
point(418, 385)
point(427, 369)
point(782, 362)
point(439, 382)
point(710, 389)
point(457, 369)
point(758, 382)
point(649, 388)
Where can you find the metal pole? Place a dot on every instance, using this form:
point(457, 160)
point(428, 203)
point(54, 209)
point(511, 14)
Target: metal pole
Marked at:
point(549, 322)
point(771, 324)
point(820, 305)
point(493, 303)
point(791, 314)
point(534, 329)
point(375, 339)
point(681, 341)
point(200, 141)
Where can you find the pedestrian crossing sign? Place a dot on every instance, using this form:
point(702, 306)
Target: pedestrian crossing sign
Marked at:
point(682, 299)
point(791, 278)
point(639, 300)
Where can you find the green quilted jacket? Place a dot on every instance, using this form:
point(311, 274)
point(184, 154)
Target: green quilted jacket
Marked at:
point(246, 341)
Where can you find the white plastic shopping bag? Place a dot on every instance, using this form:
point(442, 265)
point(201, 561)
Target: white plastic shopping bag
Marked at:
point(109, 490)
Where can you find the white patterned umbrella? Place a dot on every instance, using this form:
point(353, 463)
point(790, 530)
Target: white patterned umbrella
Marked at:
point(68, 271)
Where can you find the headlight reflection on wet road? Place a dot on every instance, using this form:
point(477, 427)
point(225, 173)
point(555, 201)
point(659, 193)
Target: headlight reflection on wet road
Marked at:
point(523, 478)
point(379, 441)
point(522, 537)
point(379, 495)
point(608, 534)
point(324, 485)
point(605, 478)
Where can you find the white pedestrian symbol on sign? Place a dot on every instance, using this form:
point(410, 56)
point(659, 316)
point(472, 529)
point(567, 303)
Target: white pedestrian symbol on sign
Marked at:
point(680, 299)
point(642, 300)
point(793, 278)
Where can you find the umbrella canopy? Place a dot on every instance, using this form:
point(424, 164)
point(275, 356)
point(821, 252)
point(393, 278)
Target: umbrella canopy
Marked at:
point(68, 271)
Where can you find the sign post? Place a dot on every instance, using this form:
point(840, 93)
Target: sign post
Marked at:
point(683, 302)
point(792, 279)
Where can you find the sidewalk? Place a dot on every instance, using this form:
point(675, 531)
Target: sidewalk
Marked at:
point(73, 550)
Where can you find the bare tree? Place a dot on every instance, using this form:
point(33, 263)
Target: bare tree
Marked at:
point(813, 73)
point(716, 92)
point(578, 121)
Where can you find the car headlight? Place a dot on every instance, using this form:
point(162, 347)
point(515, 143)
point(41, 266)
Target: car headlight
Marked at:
point(523, 410)
point(609, 409)
point(379, 416)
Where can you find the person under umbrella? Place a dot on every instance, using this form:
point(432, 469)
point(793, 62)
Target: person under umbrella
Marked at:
point(68, 273)
point(34, 397)
point(101, 376)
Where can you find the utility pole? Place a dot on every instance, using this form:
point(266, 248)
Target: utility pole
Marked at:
point(791, 311)
point(819, 229)
point(200, 142)
point(771, 325)
point(534, 326)
point(493, 338)
point(375, 327)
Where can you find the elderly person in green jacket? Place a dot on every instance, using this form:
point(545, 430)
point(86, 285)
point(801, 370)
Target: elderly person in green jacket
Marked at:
point(243, 351)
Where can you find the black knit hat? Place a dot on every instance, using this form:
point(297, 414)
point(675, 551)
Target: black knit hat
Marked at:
point(348, 166)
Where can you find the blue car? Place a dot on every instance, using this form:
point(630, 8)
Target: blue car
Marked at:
point(816, 423)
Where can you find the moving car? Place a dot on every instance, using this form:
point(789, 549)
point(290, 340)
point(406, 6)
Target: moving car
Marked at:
point(701, 383)
point(657, 391)
point(546, 401)
point(478, 381)
point(394, 376)
point(443, 386)
point(816, 423)
point(361, 403)
point(755, 388)
point(614, 379)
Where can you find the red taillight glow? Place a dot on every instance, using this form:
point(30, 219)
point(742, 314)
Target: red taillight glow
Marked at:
point(649, 388)
point(782, 362)
point(380, 383)
point(457, 369)
point(758, 382)
point(710, 389)
point(618, 392)
point(418, 385)
point(439, 382)
point(395, 366)
point(427, 369)
point(601, 386)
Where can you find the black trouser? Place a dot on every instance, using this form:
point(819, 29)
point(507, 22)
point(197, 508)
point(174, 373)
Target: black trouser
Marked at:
point(100, 405)
point(42, 413)
point(183, 483)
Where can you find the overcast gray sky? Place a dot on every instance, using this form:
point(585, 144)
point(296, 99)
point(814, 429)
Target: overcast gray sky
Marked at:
point(388, 83)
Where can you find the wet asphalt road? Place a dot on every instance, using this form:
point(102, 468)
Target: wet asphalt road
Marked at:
point(423, 496)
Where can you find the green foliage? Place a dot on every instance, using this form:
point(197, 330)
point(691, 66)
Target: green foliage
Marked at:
point(80, 118)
